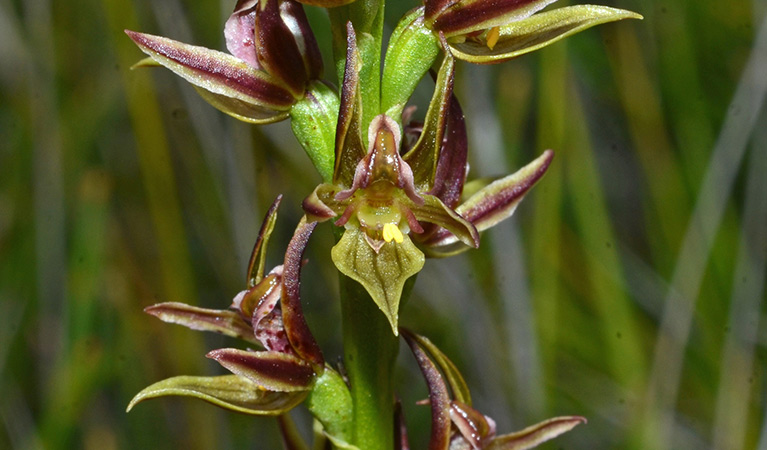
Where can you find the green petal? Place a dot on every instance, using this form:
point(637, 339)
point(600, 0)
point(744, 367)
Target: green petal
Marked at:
point(382, 274)
point(436, 212)
point(537, 434)
point(537, 31)
point(412, 50)
point(229, 392)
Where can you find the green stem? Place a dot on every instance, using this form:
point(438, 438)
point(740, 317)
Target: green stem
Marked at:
point(370, 351)
point(370, 348)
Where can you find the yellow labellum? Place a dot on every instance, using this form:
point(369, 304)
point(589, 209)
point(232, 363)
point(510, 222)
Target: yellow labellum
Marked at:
point(391, 231)
point(492, 37)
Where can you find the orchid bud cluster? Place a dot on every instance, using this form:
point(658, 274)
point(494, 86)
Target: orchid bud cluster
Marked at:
point(393, 187)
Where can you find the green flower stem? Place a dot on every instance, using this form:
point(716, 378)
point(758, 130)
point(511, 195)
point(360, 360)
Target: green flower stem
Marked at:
point(370, 351)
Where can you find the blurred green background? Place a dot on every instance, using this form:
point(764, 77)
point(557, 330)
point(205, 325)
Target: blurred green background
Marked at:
point(628, 288)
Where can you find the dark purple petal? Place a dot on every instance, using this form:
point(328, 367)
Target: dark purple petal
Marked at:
point(289, 54)
point(497, 200)
point(272, 371)
point(227, 322)
point(295, 325)
point(452, 165)
point(349, 146)
point(471, 15)
point(438, 395)
point(243, 6)
point(326, 3)
point(293, 12)
point(258, 255)
point(425, 153)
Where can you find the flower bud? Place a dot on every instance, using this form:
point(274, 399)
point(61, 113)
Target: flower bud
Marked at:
point(274, 35)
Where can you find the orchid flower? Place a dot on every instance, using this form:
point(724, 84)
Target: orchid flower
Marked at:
point(268, 313)
point(456, 425)
point(489, 31)
point(274, 56)
point(382, 198)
